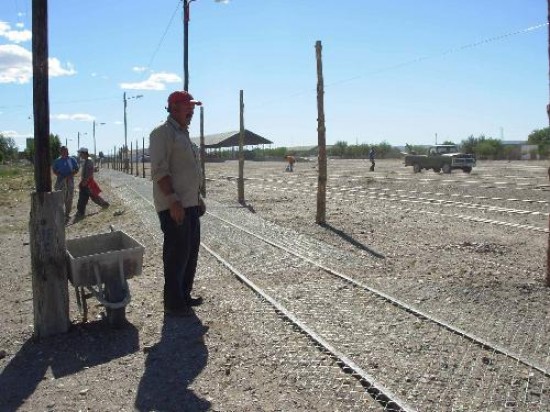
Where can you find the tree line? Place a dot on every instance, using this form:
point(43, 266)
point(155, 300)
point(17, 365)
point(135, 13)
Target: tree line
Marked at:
point(10, 152)
point(482, 147)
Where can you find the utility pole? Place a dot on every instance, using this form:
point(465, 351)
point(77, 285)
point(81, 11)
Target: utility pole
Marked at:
point(186, 4)
point(125, 132)
point(125, 149)
point(99, 124)
point(46, 227)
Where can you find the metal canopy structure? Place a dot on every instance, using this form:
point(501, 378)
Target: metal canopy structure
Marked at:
point(231, 139)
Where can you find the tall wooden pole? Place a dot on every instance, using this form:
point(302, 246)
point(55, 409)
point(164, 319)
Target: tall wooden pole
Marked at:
point(143, 150)
point(42, 173)
point(93, 133)
point(548, 113)
point(47, 217)
point(186, 44)
point(321, 139)
point(131, 158)
point(203, 155)
point(241, 153)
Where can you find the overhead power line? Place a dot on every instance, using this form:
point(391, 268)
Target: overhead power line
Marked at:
point(446, 52)
point(417, 60)
point(162, 37)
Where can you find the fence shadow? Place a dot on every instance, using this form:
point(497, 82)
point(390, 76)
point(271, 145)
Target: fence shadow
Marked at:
point(84, 346)
point(352, 241)
point(171, 365)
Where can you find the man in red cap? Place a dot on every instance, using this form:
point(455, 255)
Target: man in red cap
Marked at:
point(176, 174)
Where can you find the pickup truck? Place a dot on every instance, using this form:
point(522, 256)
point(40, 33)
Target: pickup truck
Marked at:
point(441, 158)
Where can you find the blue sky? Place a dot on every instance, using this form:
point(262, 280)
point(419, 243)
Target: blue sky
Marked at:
point(397, 71)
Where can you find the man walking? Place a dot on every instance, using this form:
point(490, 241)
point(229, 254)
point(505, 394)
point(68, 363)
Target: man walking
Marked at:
point(88, 187)
point(176, 175)
point(372, 156)
point(64, 168)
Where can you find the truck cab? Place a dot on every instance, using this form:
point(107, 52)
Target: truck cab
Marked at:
point(441, 158)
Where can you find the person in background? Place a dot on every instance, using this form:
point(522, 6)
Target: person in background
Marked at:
point(64, 168)
point(372, 156)
point(88, 187)
point(291, 160)
point(176, 175)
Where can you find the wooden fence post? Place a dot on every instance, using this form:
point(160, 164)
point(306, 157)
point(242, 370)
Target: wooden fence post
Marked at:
point(321, 139)
point(137, 158)
point(143, 159)
point(241, 153)
point(548, 113)
point(203, 155)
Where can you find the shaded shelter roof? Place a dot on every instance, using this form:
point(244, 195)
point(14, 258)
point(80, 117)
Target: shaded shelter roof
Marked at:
point(231, 139)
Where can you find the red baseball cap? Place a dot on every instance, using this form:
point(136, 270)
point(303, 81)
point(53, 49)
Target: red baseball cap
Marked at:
point(182, 96)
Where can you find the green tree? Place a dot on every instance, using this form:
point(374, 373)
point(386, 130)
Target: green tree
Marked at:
point(339, 148)
point(384, 150)
point(8, 148)
point(55, 144)
point(415, 149)
point(469, 145)
point(540, 137)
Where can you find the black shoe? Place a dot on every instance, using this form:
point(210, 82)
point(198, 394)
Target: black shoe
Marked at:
point(178, 313)
point(194, 301)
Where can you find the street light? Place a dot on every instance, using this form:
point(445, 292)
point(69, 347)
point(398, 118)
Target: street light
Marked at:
point(186, 4)
point(78, 139)
point(99, 124)
point(125, 151)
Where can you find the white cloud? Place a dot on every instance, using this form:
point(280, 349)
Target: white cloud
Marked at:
point(16, 65)
point(16, 36)
point(139, 69)
point(157, 81)
point(78, 117)
point(56, 70)
point(9, 133)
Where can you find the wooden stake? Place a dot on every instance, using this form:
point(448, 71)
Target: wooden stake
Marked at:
point(548, 113)
point(241, 153)
point(203, 155)
point(321, 139)
point(143, 164)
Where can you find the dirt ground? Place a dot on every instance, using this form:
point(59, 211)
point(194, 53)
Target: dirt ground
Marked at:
point(457, 245)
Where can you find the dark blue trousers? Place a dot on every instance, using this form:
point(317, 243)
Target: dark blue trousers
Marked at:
point(180, 254)
point(83, 197)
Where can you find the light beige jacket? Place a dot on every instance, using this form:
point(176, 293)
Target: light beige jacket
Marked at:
point(173, 154)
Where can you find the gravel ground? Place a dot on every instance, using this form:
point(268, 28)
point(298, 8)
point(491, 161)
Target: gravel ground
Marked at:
point(467, 249)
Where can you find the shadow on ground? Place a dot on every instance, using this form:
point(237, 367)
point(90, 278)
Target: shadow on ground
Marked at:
point(85, 346)
point(352, 241)
point(171, 365)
